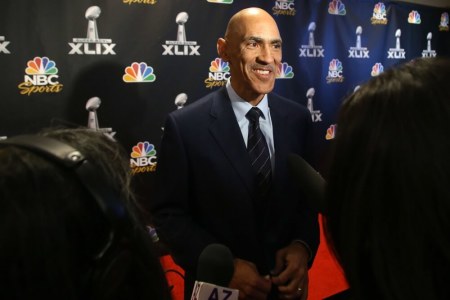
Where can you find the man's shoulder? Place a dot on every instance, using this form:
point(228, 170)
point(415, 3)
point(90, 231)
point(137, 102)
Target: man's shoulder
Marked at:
point(199, 106)
point(286, 104)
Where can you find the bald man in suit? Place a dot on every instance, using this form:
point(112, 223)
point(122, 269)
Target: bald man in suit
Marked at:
point(208, 190)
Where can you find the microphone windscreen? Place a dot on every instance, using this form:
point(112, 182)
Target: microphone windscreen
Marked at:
point(215, 265)
point(308, 181)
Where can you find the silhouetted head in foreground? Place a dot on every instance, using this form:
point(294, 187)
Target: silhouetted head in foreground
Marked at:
point(388, 197)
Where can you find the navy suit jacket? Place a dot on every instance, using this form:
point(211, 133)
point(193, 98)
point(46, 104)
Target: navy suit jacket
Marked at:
point(206, 190)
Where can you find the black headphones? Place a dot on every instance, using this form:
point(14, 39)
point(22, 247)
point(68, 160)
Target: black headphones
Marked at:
point(72, 159)
point(97, 186)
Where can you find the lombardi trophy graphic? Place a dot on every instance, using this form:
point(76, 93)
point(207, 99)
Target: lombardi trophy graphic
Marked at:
point(309, 95)
point(311, 29)
point(91, 106)
point(429, 52)
point(92, 13)
point(181, 19)
point(358, 37)
point(180, 100)
point(397, 52)
point(311, 50)
point(316, 115)
point(398, 34)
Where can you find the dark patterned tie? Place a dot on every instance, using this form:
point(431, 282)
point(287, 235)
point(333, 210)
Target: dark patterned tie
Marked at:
point(259, 152)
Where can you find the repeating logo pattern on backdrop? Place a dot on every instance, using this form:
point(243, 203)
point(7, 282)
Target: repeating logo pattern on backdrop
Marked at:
point(41, 76)
point(336, 7)
point(129, 2)
point(219, 72)
point(221, 1)
point(335, 71)
point(143, 158)
point(429, 52)
point(285, 71)
point(316, 115)
point(397, 52)
point(92, 44)
point(414, 17)
point(138, 72)
point(181, 46)
point(379, 14)
point(358, 51)
point(3, 44)
point(443, 25)
point(311, 50)
point(284, 7)
point(377, 69)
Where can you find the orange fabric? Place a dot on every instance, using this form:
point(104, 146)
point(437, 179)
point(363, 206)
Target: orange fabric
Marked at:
point(325, 276)
point(174, 276)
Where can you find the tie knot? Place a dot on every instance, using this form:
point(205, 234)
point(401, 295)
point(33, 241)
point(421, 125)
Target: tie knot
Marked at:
point(253, 114)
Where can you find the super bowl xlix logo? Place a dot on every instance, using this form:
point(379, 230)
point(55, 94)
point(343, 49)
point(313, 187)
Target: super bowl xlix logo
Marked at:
point(429, 52)
point(3, 44)
point(358, 51)
point(397, 52)
point(311, 50)
point(92, 44)
point(181, 46)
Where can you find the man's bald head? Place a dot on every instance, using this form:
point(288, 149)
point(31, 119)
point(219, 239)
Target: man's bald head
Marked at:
point(236, 25)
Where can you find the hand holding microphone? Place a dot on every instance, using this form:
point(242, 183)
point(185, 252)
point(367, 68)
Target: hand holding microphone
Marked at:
point(214, 272)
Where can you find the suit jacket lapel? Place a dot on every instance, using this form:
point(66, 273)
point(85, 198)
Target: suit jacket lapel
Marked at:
point(280, 138)
point(226, 132)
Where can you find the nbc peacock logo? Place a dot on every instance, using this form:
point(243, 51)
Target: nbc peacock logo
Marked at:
point(443, 25)
point(221, 1)
point(149, 2)
point(331, 132)
point(138, 73)
point(219, 72)
point(336, 7)
point(414, 17)
point(143, 158)
point(285, 71)
point(377, 69)
point(335, 71)
point(41, 76)
point(379, 14)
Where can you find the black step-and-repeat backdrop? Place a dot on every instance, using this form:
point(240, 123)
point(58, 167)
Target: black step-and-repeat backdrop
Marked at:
point(121, 66)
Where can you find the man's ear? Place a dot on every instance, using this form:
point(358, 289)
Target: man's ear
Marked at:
point(222, 49)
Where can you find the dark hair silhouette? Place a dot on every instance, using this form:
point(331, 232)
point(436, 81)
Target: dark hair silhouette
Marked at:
point(388, 195)
point(52, 227)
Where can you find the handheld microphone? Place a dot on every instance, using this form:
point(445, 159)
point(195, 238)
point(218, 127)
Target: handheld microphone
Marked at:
point(309, 182)
point(214, 272)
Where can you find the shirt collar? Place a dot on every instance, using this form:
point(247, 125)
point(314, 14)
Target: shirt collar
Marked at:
point(241, 107)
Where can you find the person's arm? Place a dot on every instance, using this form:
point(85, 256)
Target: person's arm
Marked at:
point(170, 210)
